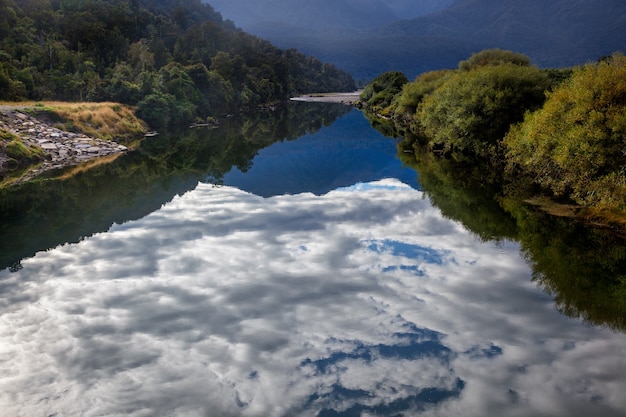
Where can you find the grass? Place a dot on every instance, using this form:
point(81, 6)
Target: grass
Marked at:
point(19, 151)
point(104, 120)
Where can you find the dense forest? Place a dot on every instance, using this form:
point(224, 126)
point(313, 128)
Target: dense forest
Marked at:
point(178, 61)
point(560, 132)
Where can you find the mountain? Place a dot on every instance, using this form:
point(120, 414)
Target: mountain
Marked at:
point(553, 33)
point(417, 36)
point(261, 15)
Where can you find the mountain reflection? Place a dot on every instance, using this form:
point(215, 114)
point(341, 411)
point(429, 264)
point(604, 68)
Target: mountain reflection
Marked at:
point(224, 303)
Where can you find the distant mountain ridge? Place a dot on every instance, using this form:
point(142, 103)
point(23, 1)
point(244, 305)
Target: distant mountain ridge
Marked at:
point(553, 32)
point(259, 15)
point(367, 37)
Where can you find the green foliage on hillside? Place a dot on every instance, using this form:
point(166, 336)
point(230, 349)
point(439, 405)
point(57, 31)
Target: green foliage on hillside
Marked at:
point(179, 55)
point(575, 146)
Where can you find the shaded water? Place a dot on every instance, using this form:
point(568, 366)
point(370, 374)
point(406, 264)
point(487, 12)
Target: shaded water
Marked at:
point(316, 279)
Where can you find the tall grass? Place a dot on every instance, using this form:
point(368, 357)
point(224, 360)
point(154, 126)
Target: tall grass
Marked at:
point(104, 120)
point(109, 121)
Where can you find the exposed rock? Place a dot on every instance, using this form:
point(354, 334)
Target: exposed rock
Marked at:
point(61, 148)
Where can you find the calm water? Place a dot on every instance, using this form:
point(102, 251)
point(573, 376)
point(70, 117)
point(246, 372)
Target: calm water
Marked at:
point(314, 278)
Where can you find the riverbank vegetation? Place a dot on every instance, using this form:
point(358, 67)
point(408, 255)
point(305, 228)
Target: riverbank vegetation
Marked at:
point(554, 132)
point(177, 62)
point(103, 120)
point(14, 153)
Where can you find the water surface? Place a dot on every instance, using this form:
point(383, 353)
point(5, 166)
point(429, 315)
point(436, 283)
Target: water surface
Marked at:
point(325, 293)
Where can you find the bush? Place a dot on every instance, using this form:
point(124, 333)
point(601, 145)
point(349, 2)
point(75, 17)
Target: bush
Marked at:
point(414, 92)
point(575, 146)
point(155, 110)
point(379, 94)
point(472, 111)
point(491, 57)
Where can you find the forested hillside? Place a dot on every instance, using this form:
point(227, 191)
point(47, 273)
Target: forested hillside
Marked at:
point(177, 60)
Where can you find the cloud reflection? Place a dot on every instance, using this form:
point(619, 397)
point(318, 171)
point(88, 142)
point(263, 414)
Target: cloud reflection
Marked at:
point(364, 301)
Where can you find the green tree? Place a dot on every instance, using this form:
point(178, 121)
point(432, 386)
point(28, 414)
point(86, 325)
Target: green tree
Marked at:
point(414, 92)
point(575, 146)
point(156, 109)
point(490, 57)
point(128, 51)
point(378, 95)
point(472, 111)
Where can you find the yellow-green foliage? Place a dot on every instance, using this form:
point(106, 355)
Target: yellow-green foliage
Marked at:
point(575, 145)
point(490, 57)
point(473, 110)
point(414, 92)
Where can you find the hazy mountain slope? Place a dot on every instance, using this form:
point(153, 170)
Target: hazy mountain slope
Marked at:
point(407, 9)
point(553, 33)
point(261, 15)
point(303, 14)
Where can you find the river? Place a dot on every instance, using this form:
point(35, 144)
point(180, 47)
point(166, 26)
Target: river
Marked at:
point(293, 265)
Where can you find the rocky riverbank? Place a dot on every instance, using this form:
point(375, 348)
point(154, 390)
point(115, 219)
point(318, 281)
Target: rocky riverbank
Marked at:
point(60, 148)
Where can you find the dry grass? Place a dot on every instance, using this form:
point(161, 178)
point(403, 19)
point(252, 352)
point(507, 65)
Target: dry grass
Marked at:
point(105, 120)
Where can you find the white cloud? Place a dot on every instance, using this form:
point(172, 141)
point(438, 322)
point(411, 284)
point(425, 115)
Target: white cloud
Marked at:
point(224, 303)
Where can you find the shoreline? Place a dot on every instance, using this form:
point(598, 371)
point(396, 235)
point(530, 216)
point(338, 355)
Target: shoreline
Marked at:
point(341, 98)
point(61, 148)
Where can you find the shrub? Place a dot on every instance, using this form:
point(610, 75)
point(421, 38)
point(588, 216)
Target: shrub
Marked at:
point(491, 57)
point(379, 94)
point(472, 111)
point(575, 146)
point(414, 92)
point(155, 109)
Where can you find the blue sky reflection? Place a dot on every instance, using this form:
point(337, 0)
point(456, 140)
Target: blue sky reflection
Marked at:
point(224, 303)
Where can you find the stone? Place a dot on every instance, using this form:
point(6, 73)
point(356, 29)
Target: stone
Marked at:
point(62, 148)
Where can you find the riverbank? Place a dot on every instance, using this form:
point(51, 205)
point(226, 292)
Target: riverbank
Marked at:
point(46, 130)
point(342, 98)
